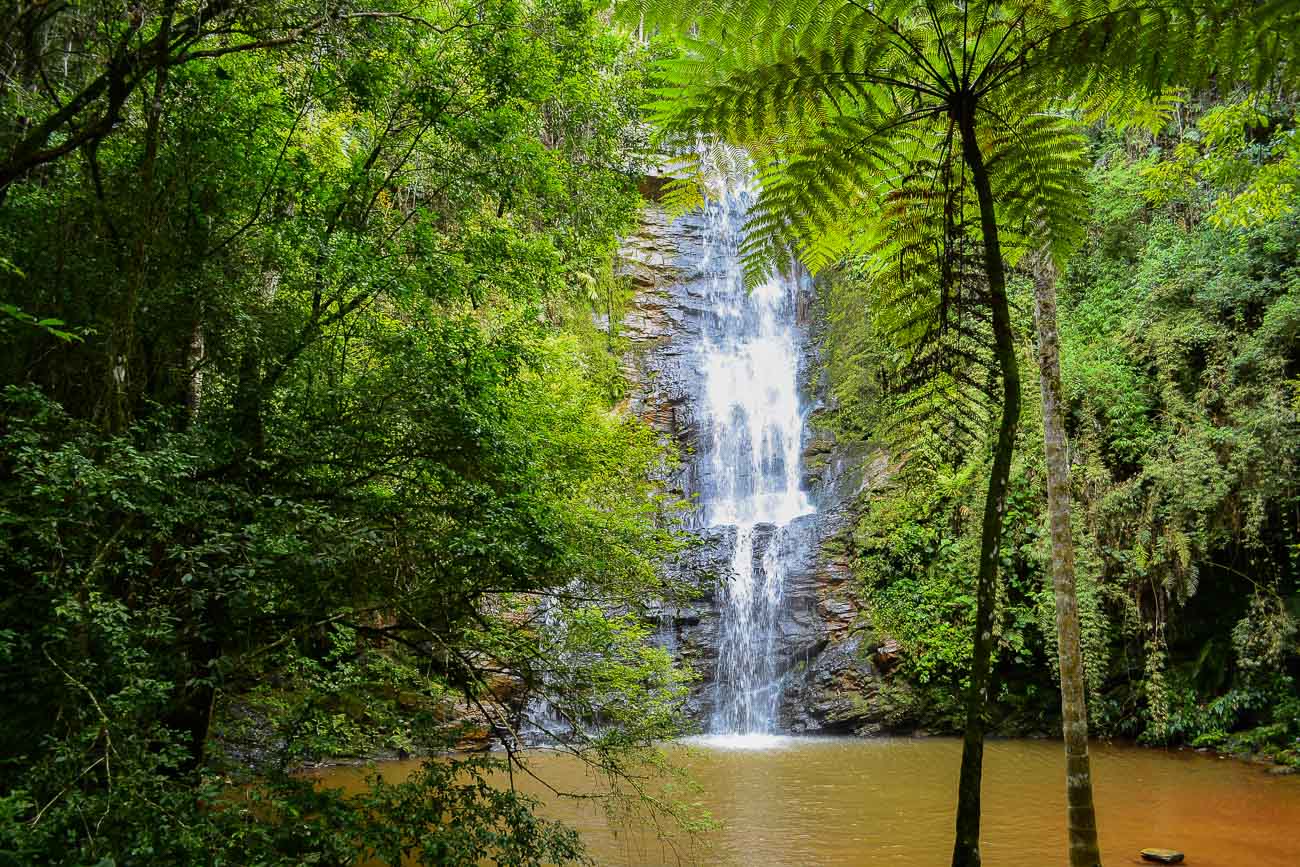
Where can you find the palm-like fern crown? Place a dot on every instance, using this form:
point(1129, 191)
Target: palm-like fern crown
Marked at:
point(851, 111)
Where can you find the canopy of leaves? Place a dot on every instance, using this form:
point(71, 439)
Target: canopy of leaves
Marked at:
point(305, 416)
point(1179, 359)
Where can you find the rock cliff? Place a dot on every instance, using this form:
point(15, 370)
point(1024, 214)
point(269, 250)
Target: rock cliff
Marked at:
point(832, 681)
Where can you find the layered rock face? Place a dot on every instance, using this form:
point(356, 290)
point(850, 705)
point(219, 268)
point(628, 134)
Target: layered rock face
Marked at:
point(828, 678)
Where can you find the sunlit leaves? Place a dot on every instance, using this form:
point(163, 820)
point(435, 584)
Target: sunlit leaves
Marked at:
point(361, 429)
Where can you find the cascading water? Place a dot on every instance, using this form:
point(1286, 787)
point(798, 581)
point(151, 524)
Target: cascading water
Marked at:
point(750, 468)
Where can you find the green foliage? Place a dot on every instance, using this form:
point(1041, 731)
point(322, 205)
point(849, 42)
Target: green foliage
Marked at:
point(335, 431)
point(1178, 357)
point(912, 566)
point(52, 327)
point(1264, 638)
point(1245, 161)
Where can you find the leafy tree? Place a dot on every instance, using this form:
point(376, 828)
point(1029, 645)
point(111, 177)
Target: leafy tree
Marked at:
point(71, 73)
point(336, 427)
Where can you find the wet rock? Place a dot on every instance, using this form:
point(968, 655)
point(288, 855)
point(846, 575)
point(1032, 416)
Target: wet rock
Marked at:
point(684, 616)
point(1162, 856)
point(507, 689)
point(837, 612)
point(840, 692)
point(475, 738)
point(706, 562)
point(886, 655)
point(689, 628)
point(830, 681)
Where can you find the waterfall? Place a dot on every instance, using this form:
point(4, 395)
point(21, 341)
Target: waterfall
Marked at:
point(750, 461)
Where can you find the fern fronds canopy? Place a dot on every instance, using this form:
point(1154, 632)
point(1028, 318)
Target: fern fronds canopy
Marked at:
point(827, 94)
point(851, 113)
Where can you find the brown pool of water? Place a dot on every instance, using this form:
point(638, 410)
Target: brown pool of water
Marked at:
point(819, 802)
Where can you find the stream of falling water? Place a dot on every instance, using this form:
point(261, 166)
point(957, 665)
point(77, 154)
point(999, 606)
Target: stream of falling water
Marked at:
point(750, 352)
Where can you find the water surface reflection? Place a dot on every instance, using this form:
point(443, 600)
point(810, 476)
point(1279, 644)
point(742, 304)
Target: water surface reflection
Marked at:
point(800, 802)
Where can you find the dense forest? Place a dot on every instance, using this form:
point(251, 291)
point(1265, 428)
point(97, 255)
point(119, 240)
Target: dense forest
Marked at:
point(304, 412)
point(1180, 337)
point(314, 439)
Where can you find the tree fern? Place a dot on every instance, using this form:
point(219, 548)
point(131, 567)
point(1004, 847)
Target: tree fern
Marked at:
point(937, 142)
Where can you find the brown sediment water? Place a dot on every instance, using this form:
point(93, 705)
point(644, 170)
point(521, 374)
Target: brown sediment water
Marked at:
point(804, 802)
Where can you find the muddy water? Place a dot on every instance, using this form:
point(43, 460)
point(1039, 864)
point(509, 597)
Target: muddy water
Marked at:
point(800, 802)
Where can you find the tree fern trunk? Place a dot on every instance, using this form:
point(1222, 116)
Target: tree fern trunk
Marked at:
point(966, 850)
point(1081, 819)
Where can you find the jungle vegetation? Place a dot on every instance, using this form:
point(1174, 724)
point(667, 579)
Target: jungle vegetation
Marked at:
point(307, 431)
point(309, 441)
point(1179, 344)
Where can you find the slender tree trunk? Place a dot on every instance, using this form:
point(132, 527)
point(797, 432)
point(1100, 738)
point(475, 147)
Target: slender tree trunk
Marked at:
point(1081, 819)
point(966, 849)
point(194, 359)
point(121, 392)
